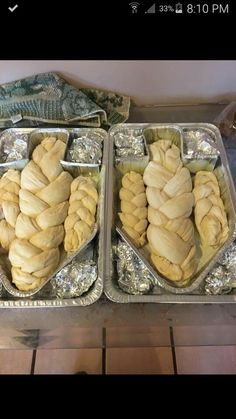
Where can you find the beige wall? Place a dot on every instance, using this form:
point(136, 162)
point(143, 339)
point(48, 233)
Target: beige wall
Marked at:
point(147, 82)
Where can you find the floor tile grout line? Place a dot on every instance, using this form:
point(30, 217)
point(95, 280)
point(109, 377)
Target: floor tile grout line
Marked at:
point(104, 351)
point(34, 354)
point(172, 341)
point(33, 361)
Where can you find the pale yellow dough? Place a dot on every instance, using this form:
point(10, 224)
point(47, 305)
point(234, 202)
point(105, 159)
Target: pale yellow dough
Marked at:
point(133, 213)
point(210, 215)
point(9, 206)
point(169, 194)
point(43, 202)
point(82, 212)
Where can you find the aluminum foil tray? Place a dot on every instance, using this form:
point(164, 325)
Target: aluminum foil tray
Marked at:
point(91, 156)
point(14, 148)
point(166, 291)
point(92, 249)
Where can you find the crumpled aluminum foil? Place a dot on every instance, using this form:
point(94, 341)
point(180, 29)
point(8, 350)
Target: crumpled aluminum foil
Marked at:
point(198, 144)
point(222, 278)
point(229, 258)
point(13, 146)
point(129, 144)
point(134, 277)
point(75, 279)
point(87, 148)
point(134, 151)
point(127, 139)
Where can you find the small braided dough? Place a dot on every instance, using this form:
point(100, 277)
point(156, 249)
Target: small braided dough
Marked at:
point(81, 215)
point(210, 216)
point(45, 189)
point(169, 194)
point(9, 206)
point(133, 213)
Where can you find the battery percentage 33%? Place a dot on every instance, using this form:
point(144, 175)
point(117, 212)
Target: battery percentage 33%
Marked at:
point(166, 8)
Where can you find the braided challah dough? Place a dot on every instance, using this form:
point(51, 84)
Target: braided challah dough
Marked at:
point(45, 189)
point(81, 215)
point(170, 233)
point(9, 206)
point(133, 213)
point(210, 216)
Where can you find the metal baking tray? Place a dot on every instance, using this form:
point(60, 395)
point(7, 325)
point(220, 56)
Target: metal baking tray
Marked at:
point(130, 130)
point(12, 297)
point(14, 132)
point(167, 292)
point(209, 157)
point(75, 133)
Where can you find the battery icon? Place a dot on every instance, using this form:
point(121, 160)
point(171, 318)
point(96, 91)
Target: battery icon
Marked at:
point(178, 8)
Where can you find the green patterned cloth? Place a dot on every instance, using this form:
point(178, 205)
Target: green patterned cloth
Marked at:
point(48, 98)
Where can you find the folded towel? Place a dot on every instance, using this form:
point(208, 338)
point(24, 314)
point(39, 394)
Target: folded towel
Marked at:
point(48, 98)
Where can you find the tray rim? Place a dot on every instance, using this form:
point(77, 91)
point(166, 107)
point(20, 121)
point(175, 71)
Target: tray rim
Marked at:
point(89, 297)
point(111, 290)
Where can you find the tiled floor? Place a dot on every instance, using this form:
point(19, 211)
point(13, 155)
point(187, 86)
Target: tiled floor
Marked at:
point(206, 360)
point(139, 361)
point(15, 361)
point(154, 350)
point(137, 337)
point(204, 335)
point(70, 338)
point(68, 361)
